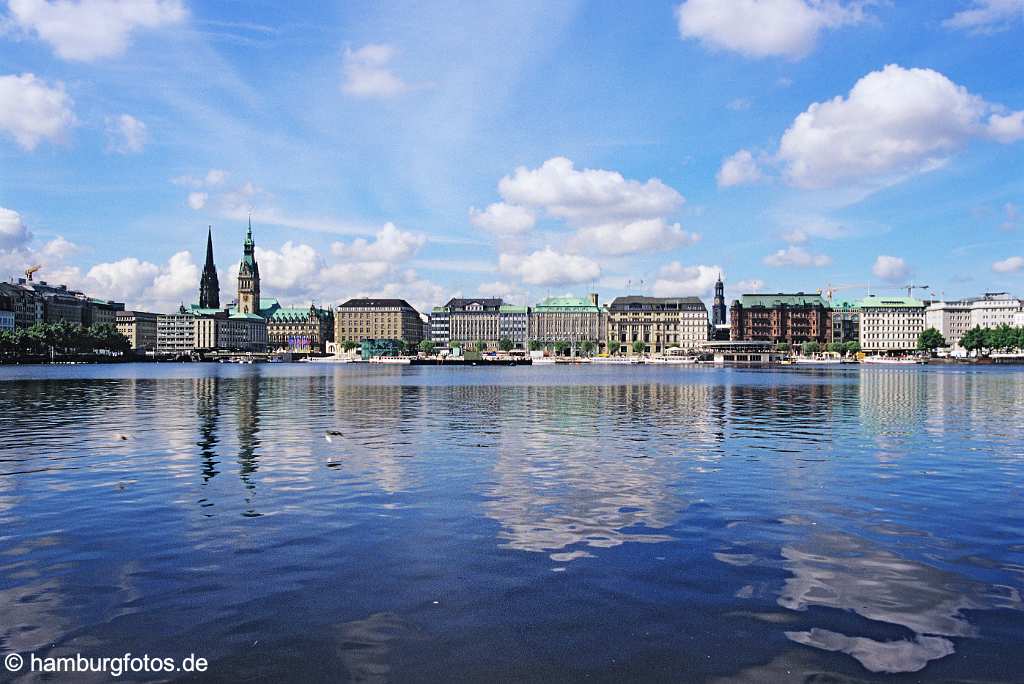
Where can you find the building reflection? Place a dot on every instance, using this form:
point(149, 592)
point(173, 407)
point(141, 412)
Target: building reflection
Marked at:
point(207, 391)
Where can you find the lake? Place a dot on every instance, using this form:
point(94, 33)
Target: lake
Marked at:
point(384, 523)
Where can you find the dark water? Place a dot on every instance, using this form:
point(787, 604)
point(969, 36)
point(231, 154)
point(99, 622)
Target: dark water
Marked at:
point(610, 524)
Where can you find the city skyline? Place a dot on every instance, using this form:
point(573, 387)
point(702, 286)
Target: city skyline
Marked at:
point(383, 153)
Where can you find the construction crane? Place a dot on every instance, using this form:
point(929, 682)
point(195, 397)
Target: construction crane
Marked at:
point(30, 270)
point(910, 288)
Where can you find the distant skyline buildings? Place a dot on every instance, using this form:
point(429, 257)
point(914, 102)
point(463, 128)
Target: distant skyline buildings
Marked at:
point(498, 150)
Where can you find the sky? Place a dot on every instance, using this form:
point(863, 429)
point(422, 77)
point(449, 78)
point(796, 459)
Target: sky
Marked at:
point(427, 150)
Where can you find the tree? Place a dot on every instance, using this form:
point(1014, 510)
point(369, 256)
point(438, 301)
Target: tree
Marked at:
point(782, 346)
point(639, 347)
point(506, 344)
point(588, 347)
point(349, 345)
point(562, 347)
point(535, 345)
point(480, 346)
point(427, 347)
point(852, 347)
point(835, 347)
point(930, 340)
point(974, 340)
point(810, 348)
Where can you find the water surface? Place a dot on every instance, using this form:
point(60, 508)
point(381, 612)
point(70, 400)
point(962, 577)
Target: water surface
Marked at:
point(549, 523)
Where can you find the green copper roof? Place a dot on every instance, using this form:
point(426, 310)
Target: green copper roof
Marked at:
point(769, 301)
point(508, 308)
point(876, 301)
point(566, 303)
point(250, 316)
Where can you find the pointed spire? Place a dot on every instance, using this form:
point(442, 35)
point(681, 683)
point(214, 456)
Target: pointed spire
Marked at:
point(209, 246)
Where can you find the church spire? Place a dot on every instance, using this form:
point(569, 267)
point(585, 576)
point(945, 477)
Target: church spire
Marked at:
point(209, 287)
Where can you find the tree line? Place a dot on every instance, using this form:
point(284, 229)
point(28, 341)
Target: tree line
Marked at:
point(62, 339)
point(983, 341)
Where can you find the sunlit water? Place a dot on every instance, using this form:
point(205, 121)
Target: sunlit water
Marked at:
point(616, 523)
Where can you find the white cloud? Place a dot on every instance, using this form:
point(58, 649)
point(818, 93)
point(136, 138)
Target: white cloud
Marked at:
point(141, 284)
point(503, 219)
point(797, 256)
point(618, 239)
point(1008, 265)
point(60, 248)
point(801, 230)
point(891, 269)
point(763, 28)
point(289, 268)
point(510, 293)
point(749, 286)
point(390, 245)
point(125, 134)
point(587, 196)
point(31, 111)
point(676, 280)
point(987, 16)
point(738, 169)
point(216, 176)
point(86, 30)
point(894, 123)
point(548, 267)
point(14, 234)
point(124, 279)
point(367, 72)
point(197, 200)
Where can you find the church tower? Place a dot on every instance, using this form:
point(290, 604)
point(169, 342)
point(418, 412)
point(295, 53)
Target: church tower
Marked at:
point(249, 277)
point(718, 306)
point(209, 288)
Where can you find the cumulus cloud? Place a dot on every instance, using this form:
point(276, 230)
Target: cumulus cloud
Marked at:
point(389, 245)
point(503, 219)
point(197, 200)
point(144, 284)
point(548, 267)
point(31, 111)
point(987, 16)
point(86, 30)
point(1008, 265)
point(763, 28)
point(894, 123)
point(14, 234)
point(618, 239)
point(367, 73)
point(611, 214)
point(216, 176)
point(797, 256)
point(125, 134)
point(677, 280)
point(738, 169)
point(891, 269)
point(749, 286)
point(801, 230)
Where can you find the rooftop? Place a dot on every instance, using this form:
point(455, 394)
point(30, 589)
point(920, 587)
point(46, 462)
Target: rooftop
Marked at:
point(353, 303)
point(640, 302)
point(876, 301)
point(770, 301)
point(566, 303)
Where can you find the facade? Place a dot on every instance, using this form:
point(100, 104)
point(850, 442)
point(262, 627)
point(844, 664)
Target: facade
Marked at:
point(845, 322)
point(209, 287)
point(467, 321)
point(222, 331)
point(569, 319)
point(369, 348)
point(993, 309)
point(718, 309)
point(955, 317)
point(890, 324)
point(297, 329)
point(140, 329)
point(175, 333)
point(514, 324)
point(248, 277)
point(26, 305)
point(659, 322)
point(100, 311)
point(371, 319)
point(6, 315)
point(791, 318)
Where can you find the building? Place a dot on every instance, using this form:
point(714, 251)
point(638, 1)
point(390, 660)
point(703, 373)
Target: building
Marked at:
point(370, 348)
point(209, 287)
point(175, 333)
point(224, 331)
point(845, 322)
point(953, 318)
point(661, 323)
point(371, 319)
point(101, 312)
point(467, 321)
point(514, 325)
point(26, 305)
point(140, 328)
point(718, 309)
point(890, 324)
point(6, 311)
point(791, 318)
point(569, 319)
point(297, 329)
point(248, 277)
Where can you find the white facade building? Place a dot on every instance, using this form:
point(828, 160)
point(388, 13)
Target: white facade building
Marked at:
point(954, 318)
point(890, 324)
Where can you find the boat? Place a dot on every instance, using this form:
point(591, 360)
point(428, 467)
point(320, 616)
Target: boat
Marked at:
point(818, 360)
point(617, 359)
point(892, 360)
point(398, 360)
point(673, 361)
point(330, 359)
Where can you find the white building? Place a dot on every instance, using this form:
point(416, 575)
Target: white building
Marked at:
point(954, 318)
point(993, 310)
point(890, 324)
point(175, 333)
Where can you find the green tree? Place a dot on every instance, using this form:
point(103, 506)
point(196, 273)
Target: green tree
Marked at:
point(562, 347)
point(930, 340)
point(974, 340)
point(349, 345)
point(852, 347)
point(535, 345)
point(639, 347)
point(835, 347)
point(427, 347)
point(782, 346)
point(810, 348)
point(588, 347)
point(480, 346)
point(506, 344)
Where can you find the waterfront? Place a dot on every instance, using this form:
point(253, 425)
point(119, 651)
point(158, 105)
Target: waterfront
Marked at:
point(558, 523)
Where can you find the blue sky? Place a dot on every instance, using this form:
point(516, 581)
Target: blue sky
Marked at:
point(426, 150)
